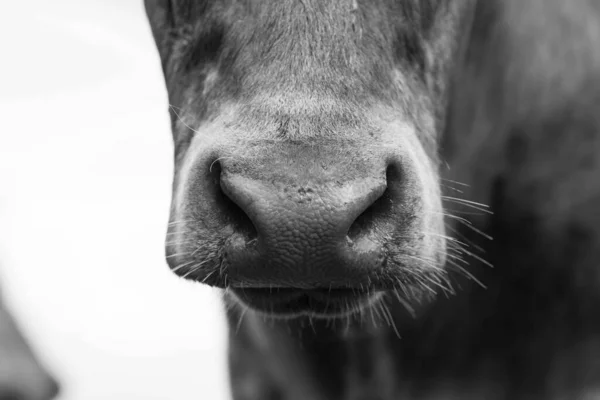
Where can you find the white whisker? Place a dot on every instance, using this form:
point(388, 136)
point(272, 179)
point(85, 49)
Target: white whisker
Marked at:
point(208, 275)
point(469, 203)
point(467, 274)
point(177, 268)
point(177, 255)
point(181, 119)
point(217, 160)
point(455, 182)
point(183, 221)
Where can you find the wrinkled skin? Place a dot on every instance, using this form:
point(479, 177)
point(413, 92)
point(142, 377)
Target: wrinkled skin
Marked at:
point(335, 167)
point(22, 376)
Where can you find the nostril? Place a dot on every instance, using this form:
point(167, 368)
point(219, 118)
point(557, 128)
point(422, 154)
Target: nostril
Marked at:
point(378, 212)
point(230, 208)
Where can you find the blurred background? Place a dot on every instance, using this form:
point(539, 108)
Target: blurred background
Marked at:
point(85, 181)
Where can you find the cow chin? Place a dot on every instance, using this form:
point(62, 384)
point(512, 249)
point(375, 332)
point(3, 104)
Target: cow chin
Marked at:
point(320, 227)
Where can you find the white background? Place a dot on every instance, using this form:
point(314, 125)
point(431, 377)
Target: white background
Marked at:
point(85, 175)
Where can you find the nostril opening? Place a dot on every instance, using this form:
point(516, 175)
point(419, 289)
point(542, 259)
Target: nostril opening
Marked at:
point(233, 212)
point(377, 213)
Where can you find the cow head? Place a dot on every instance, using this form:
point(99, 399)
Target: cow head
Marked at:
point(306, 166)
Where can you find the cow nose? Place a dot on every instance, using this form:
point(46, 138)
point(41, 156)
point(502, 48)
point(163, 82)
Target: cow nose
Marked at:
point(302, 233)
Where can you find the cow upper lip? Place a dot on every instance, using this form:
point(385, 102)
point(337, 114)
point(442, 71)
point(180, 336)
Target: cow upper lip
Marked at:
point(292, 301)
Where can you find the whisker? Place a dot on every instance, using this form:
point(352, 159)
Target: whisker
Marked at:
point(381, 306)
point(183, 221)
point(455, 182)
point(469, 203)
point(475, 256)
point(430, 263)
point(177, 268)
point(467, 273)
point(462, 212)
point(376, 309)
point(181, 119)
point(449, 238)
point(177, 255)
point(391, 319)
point(312, 325)
point(480, 232)
point(474, 229)
point(207, 276)
point(455, 256)
point(471, 243)
point(464, 220)
point(405, 303)
point(423, 284)
point(372, 317)
point(176, 242)
point(242, 314)
point(445, 289)
point(170, 232)
point(217, 160)
point(452, 188)
point(191, 271)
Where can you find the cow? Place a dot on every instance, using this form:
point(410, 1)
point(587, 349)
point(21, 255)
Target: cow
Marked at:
point(399, 199)
point(22, 376)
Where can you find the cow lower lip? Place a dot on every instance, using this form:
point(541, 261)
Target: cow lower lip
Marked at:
point(289, 302)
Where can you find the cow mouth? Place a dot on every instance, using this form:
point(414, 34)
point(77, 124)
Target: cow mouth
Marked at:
point(291, 302)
